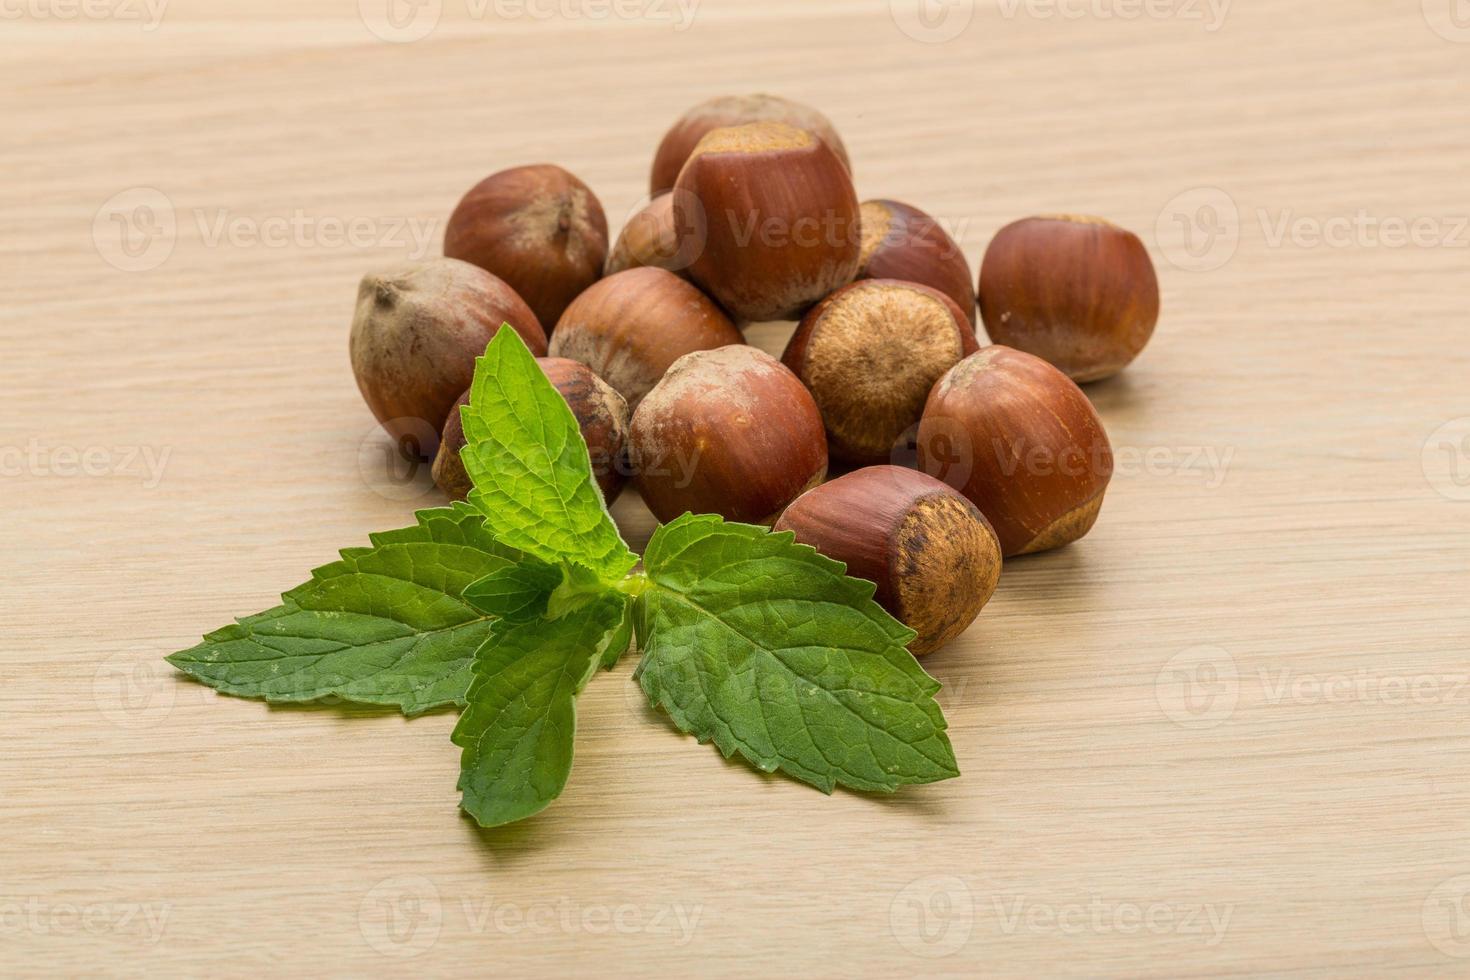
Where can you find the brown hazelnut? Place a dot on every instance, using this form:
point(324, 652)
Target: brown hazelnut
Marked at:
point(415, 337)
point(735, 110)
point(773, 218)
point(870, 353)
point(1076, 291)
point(1021, 440)
point(539, 228)
point(631, 327)
point(902, 242)
point(650, 239)
point(601, 414)
point(729, 432)
point(932, 554)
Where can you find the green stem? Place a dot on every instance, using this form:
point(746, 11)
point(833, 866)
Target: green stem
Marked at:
point(634, 585)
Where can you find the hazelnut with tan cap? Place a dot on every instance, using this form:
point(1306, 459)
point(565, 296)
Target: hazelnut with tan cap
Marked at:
point(931, 553)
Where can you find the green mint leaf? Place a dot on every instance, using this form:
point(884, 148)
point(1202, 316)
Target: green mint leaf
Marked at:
point(520, 721)
point(516, 594)
point(767, 649)
point(530, 466)
point(619, 640)
point(386, 625)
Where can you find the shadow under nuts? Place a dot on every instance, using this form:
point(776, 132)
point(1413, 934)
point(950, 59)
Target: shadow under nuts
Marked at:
point(729, 432)
point(1022, 442)
point(631, 327)
point(415, 336)
point(539, 228)
point(601, 414)
point(932, 554)
point(774, 219)
point(870, 353)
point(1076, 291)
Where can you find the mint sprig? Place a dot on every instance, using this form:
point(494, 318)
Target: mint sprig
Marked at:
point(531, 469)
point(508, 606)
point(766, 648)
point(518, 729)
point(385, 625)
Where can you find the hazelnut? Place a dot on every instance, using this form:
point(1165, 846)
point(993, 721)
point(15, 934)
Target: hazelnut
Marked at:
point(932, 554)
point(735, 110)
point(600, 412)
point(650, 239)
point(1021, 440)
point(415, 337)
point(631, 327)
point(902, 242)
point(773, 218)
point(729, 432)
point(539, 228)
point(870, 353)
point(1079, 292)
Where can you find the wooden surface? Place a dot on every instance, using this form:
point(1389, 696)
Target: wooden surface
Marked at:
point(1225, 734)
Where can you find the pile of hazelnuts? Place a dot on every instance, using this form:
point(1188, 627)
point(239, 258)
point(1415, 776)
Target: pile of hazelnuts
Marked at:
point(956, 455)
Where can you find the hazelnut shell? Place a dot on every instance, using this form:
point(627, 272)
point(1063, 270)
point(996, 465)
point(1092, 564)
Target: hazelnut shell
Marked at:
point(601, 414)
point(539, 228)
point(773, 219)
point(416, 334)
point(1078, 292)
point(933, 556)
point(902, 242)
point(1023, 443)
point(870, 354)
point(729, 432)
point(735, 110)
point(631, 327)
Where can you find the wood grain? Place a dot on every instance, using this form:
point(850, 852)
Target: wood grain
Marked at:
point(1225, 734)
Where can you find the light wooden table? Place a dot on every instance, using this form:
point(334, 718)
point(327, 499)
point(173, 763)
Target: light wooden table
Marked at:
point(1228, 733)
